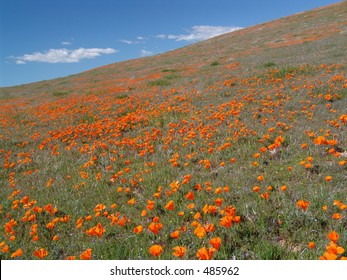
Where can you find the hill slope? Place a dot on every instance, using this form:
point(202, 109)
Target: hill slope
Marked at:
point(241, 137)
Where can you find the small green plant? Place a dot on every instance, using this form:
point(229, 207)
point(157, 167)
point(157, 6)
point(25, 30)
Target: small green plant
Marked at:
point(269, 64)
point(121, 96)
point(160, 82)
point(60, 93)
point(169, 70)
point(171, 76)
point(214, 63)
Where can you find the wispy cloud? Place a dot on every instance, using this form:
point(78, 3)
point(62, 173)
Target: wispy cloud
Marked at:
point(139, 40)
point(128, 42)
point(200, 32)
point(145, 53)
point(66, 43)
point(63, 55)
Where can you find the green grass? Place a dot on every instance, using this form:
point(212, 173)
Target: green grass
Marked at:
point(160, 82)
point(60, 93)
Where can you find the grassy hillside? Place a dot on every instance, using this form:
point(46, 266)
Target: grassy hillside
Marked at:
point(235, 147)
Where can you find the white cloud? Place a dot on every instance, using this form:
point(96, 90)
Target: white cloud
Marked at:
point(200, 32)
point(66, 43)
point(145, 53)
point(161, 36)
point(63, 55)
point(140, 40)
point(20, 62)
point(128, 42)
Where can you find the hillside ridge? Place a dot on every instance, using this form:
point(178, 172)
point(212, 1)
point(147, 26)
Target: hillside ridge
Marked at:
point(230, 46)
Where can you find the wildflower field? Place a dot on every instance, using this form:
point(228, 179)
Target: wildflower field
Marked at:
point(235, 147)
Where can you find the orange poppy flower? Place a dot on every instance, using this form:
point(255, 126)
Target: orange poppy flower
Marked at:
point(260, 178)
point(218, 190)
point(205, 254)
point(86, 255)
point(197, 216)
point(99, 207)
point(190, 196)
point(226, 221)
point(265, 195)
point(156, 219)
point(333, 236)
point(17, 253)
point(328, 178)
point(79, 223)
point(150, 204)
point(5, 249)
point(122, 221)
point(33, 229)
point(35, 238)
point(97, 230)
point(210, 227)
point(200, 231)
point(308, 165)
point(340, 204)
point(155, 227)
point(198, 187)
point(138, 229)
point(40, 253)
point(175, 234)
point(303, 204)
point(186, 179)
point(50, 225)
point(216, 242)
point(334, 249)
point(179, 251)
point(9, 226)
point(88, 218)
point(337, 216)
point(156, 250)
point(218, 201)
point(328, 256)
point(170, 205)
point(320, 140)
point(230, 211)
point(131, 201)
point(311, 245)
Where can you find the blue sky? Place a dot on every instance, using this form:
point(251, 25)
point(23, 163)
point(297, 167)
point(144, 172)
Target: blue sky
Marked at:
point(45, 39)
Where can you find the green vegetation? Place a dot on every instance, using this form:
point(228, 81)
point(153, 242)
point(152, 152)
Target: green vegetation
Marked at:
point(214, 63)
point(60, 93)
